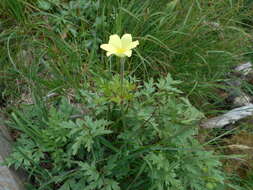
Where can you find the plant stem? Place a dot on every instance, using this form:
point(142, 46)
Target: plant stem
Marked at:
point(122, 67)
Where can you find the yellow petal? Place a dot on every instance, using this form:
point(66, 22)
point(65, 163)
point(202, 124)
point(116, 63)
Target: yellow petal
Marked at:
point(115, 41)
point(107, 47)
point(134, 44)
point(128, 53)
point(126, 40)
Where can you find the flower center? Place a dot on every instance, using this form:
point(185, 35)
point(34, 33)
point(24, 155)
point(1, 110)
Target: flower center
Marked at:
point(120, 50)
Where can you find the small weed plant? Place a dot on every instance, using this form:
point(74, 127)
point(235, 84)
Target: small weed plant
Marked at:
point(106, 139)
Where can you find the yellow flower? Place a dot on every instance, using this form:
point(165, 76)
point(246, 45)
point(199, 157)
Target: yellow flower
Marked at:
point(120, 47)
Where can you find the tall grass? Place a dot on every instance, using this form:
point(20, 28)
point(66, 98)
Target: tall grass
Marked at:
point(197, 41)
point(13, 8)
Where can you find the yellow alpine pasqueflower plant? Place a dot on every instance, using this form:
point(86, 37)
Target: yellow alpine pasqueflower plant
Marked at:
point(120, 47)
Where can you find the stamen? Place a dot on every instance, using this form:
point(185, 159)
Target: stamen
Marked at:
point(120, 50)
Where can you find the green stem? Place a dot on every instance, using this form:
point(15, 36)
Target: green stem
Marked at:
point(122, 67)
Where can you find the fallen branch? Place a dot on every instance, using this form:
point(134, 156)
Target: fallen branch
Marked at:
point(229, 117)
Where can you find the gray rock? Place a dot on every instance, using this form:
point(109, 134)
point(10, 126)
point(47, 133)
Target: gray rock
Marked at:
point(9, 179)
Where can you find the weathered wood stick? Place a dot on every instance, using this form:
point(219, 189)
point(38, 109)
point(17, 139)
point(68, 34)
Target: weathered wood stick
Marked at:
point(244, 69)
point(229, 117)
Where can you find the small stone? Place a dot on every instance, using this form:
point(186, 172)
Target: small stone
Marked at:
point(9, 180)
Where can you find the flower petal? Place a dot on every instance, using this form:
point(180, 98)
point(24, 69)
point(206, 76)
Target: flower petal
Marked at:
point(120, 54)
point(108, 47)
point(115, 41)
point(134, 44)
point(109, 53)
point(128, 53)
point(126, 40)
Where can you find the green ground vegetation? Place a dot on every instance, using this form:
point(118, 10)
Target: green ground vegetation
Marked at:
point(77, 128)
